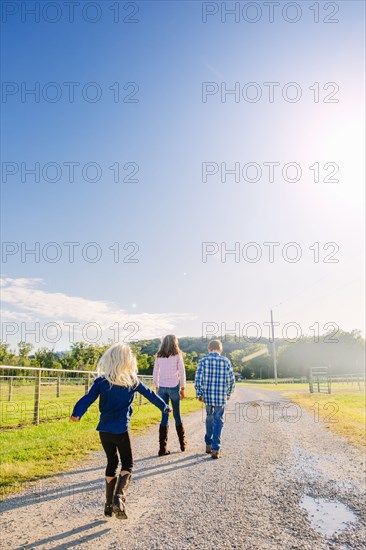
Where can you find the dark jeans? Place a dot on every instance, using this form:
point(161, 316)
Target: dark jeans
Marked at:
point(173, 395)
point(117, 447)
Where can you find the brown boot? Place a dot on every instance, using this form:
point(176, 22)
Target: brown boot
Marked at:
point(119, 499)
point(208, 449)
point(163, 440)
point(182, 437)
point(216, 454)
point(109, 491)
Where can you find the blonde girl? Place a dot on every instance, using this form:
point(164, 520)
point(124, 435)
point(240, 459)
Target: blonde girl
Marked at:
point(115, 386)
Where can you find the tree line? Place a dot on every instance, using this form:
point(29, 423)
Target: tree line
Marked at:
point(344, 354)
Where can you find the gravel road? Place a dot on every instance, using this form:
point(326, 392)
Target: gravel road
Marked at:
point(274, 453)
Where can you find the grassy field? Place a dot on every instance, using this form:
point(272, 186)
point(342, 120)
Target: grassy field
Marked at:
point(343, 411)
point(19, 411)
point(32, 452)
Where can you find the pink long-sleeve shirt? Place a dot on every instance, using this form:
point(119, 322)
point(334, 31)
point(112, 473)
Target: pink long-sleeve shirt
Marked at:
point(169, 372)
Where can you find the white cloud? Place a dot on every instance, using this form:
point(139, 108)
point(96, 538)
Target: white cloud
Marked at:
point(27, 303)
point(7, 315)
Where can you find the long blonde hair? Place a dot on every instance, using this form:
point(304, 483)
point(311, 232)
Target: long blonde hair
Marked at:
point(118, 365)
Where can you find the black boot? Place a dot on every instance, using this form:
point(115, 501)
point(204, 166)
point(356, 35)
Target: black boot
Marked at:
point(182, 437)
point(163, 440)
point(119, 499)
point(109, 491)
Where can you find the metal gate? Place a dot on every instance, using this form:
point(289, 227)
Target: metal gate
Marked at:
point(320, 380)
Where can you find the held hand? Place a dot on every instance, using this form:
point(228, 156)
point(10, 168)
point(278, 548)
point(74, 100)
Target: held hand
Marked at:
point(74, 418)
point(200, 399)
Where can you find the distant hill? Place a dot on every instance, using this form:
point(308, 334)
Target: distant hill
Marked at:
point(190, 344)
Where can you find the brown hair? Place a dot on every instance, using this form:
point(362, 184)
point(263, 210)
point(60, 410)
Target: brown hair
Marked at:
point(169, 346)
point(215, 345)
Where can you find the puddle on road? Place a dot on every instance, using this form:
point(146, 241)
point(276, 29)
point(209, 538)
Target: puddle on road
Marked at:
point(326, 516)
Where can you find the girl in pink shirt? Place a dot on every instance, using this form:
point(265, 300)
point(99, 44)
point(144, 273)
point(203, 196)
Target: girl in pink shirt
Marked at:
point(170, 379)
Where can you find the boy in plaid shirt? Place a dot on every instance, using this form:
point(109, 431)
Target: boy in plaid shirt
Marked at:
point(214, 383)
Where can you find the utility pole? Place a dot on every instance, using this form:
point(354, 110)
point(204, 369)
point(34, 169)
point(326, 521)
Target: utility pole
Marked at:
point(273, 350)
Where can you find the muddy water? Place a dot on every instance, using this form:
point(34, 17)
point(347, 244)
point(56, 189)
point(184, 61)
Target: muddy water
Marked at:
point(328, 517)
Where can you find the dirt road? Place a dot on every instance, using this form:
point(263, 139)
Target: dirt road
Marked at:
point(276, 457)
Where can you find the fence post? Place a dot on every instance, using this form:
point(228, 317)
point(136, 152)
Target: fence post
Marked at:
point(10, 388)
point(87, 382)
point(58, 387)
point(329, 376)
point(37, 398)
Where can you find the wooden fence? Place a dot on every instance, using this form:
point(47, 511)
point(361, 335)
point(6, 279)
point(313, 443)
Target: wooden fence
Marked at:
point(25, 389)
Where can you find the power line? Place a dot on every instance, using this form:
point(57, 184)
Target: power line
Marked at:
point(312, 285)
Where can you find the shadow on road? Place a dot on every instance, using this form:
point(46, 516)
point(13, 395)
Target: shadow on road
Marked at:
point(38, 496)
point(67, 534)
point(75, 472)
point(72, 491)
point(169, 466)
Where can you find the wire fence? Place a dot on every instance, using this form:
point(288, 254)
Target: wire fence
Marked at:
point(30, 395)
point(354, 380)
point(348, 381)
point(302, 380)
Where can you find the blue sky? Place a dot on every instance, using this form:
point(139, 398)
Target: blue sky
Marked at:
point(169, 133)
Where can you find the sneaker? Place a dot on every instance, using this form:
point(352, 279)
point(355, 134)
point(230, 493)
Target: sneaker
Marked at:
point(216, 454)
point(208, 449)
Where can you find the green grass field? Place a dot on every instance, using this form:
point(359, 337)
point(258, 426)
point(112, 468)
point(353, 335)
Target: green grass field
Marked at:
point(343, 411)
point(19, 411)
point(31, 452)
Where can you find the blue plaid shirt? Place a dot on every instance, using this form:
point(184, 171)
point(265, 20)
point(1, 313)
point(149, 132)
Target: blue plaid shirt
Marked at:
point(214, 380)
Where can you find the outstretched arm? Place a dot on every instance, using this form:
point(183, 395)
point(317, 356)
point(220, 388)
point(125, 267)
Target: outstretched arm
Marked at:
point(84, 403)
point(152, 397)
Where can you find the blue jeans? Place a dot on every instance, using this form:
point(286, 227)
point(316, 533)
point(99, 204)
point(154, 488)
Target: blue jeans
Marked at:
point(173, 395)
point(214, 425)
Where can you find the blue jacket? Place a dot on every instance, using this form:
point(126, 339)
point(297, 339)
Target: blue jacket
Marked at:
point(115, 404)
